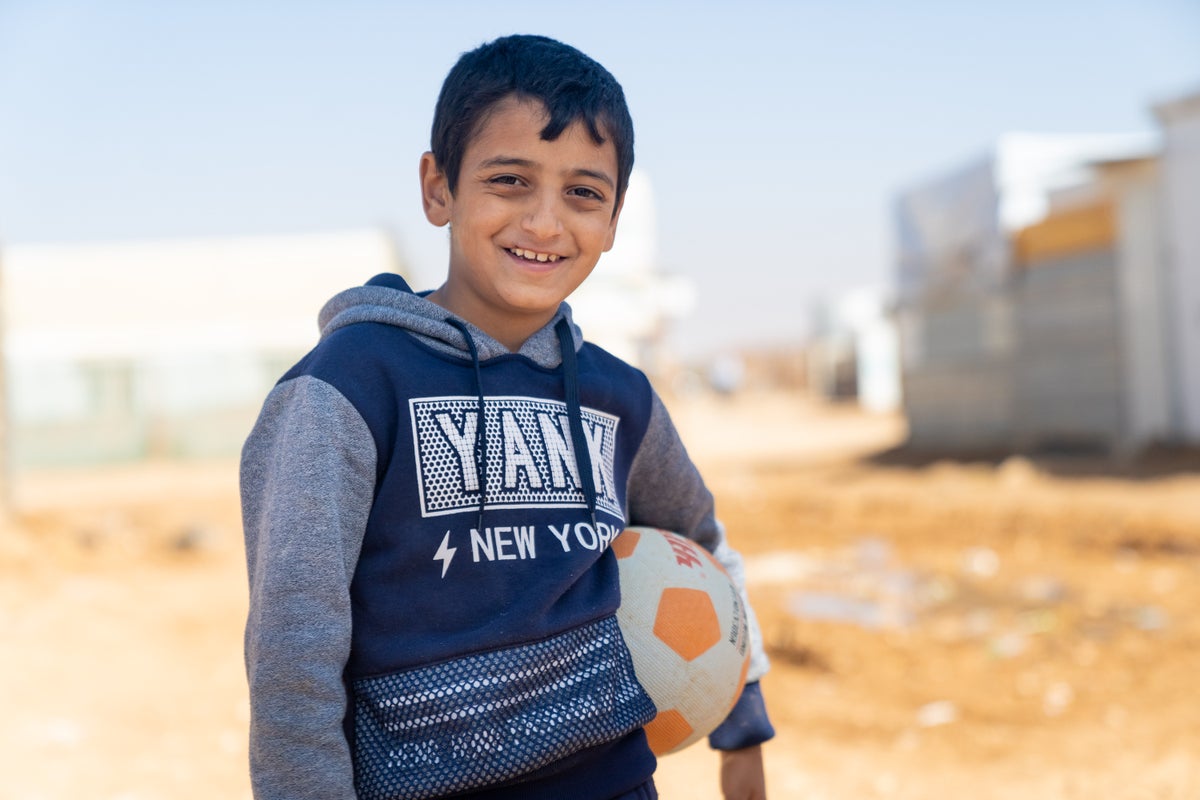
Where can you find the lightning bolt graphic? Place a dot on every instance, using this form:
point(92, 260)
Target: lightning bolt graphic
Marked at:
point(445, 553)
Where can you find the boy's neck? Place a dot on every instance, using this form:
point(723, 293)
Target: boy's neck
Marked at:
point(512, 331)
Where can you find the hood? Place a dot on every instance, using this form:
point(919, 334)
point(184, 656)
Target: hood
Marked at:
point(387, 298)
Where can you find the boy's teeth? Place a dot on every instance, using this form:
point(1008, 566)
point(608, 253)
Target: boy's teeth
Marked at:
point(532, 256)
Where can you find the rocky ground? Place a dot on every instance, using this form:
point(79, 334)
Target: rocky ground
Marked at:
point(1012, 629)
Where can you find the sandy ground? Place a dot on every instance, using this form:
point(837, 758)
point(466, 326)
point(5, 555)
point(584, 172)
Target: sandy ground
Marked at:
point(1012, 630)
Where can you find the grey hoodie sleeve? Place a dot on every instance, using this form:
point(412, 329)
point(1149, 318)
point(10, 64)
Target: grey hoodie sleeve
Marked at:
point(667, 491)
point(307, 480)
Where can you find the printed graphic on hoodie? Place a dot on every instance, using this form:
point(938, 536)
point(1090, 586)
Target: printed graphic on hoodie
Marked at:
point(529, 455)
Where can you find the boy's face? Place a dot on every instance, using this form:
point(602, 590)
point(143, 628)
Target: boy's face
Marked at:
point(528, 219)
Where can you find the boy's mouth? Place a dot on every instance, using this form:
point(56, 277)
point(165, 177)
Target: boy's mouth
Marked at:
point(530, 255)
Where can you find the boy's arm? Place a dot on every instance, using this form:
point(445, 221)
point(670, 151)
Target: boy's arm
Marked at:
point(742, 776)
point(667, 491)
point(307, 479)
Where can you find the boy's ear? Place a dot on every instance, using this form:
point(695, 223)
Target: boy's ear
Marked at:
point(612, 227)
point(435, 191)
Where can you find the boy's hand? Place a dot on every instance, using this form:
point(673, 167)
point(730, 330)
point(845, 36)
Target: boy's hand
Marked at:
point(742, 775)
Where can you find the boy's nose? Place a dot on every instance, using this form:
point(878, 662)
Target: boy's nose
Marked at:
point(542, 219)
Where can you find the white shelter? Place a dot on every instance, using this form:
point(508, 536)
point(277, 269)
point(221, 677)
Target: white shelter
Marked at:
point(1048, 295)
point(123, 350)
point(1180, 120)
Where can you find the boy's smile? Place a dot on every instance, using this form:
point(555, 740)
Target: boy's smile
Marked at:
point(528, 219)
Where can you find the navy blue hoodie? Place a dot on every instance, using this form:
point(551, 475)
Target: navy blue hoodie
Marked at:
point(432, 596)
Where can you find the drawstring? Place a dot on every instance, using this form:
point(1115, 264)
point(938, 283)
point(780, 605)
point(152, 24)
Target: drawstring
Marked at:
point(480, 421)
point(583, 457)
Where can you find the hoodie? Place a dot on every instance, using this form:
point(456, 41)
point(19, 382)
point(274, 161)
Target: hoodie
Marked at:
point(432, 599)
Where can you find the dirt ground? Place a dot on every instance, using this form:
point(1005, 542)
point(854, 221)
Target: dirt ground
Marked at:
point(1021, 629)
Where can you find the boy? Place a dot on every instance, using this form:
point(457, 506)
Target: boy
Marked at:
point(429, 494)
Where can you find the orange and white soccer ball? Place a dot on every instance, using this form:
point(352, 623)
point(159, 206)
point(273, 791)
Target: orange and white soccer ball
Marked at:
point(685, 625)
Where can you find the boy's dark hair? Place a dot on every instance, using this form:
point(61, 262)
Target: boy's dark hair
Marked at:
point(571, 86)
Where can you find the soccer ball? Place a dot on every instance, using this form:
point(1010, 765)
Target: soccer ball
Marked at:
point(685, 625)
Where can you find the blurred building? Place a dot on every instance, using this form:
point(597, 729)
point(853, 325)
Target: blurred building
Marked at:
point(128, 350)
point(853, 352)
point(627, 303)
point(1048, 298)
point(1180, 198)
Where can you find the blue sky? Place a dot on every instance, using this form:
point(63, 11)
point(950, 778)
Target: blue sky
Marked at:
point(775, 134)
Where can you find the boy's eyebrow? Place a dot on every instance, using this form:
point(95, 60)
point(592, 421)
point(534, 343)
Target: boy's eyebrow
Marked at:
point(506, 161)
point(600, 176)
point(513, 161)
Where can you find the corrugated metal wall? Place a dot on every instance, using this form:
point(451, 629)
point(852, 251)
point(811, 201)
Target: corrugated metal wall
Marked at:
point(1067, 373)
point(957, 373)
point(1181, 185)
point(1103, 296)
point(1035, 365)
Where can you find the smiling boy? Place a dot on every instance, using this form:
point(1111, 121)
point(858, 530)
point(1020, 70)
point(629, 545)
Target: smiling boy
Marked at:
point(421, 622)
point(528, 219)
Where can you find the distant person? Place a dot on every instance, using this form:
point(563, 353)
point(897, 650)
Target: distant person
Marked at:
point(420, 623)
point(726, 375)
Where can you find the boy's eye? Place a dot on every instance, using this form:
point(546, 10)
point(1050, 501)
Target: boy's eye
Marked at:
point(586, 193)
point(506, 180)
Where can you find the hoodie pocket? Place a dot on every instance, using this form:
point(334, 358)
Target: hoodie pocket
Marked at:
point(491, 717)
